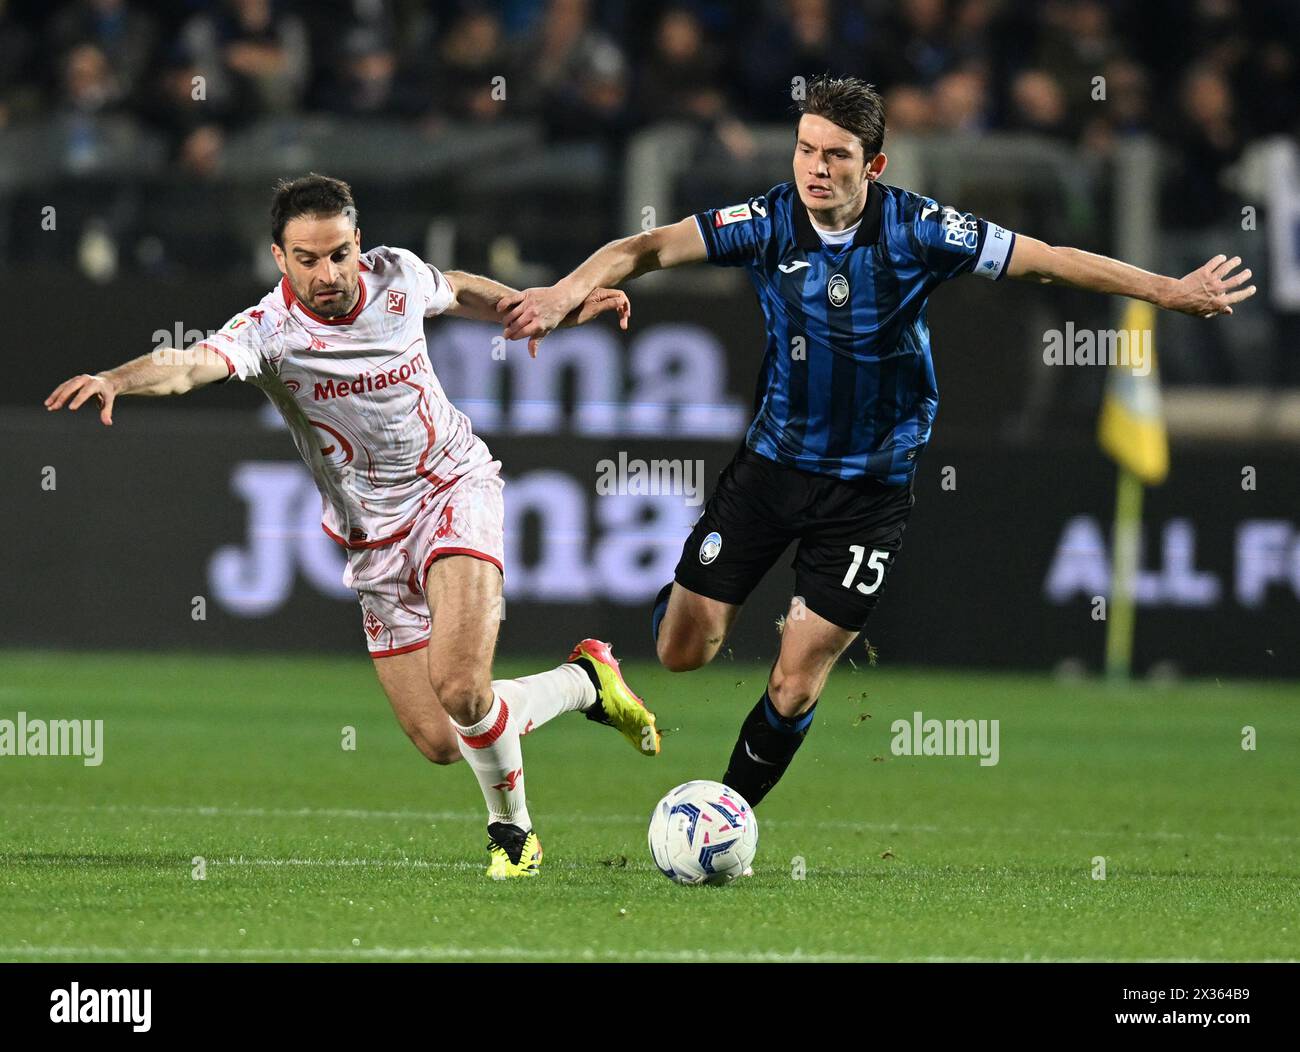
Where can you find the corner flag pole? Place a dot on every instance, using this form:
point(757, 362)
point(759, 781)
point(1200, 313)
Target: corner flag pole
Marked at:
point(1120, 621)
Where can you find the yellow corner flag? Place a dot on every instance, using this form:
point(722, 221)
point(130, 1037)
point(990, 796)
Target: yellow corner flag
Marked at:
point(1132, 424)
point(1132, 430)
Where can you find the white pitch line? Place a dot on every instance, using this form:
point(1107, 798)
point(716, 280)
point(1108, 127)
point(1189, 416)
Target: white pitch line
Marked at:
point(376, 863)
point(467, 866)
point(624, 820)
point(508, 953)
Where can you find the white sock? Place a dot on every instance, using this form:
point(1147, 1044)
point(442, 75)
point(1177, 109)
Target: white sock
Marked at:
point(535, 700)
point(491, 748)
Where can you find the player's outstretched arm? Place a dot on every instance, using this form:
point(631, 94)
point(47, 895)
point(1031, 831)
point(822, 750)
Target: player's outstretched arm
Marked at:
point(1206, 292)
point(482, 298)
point(535, 312)
point(165, 371)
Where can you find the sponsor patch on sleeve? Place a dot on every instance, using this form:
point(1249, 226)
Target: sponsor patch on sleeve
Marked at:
point(734, 214)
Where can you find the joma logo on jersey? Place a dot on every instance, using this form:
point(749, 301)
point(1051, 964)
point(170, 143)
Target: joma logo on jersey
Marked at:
point(373, 381)
point(396, 302)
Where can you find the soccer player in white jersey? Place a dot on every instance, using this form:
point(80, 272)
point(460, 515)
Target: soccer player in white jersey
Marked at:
point(407, 489)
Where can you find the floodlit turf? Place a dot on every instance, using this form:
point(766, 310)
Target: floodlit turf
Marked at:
point(316, 853)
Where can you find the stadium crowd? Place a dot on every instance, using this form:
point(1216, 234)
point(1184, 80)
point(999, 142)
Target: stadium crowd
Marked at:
point(169, 87)
point(1205, 75)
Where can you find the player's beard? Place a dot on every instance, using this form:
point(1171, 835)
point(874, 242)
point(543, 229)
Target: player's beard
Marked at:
point(335, 308)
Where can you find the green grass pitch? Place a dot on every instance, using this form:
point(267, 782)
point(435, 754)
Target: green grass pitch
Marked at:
point(317, 853)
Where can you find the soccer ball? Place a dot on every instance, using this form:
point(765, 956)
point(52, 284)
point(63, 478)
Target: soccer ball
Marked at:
point(703, 833)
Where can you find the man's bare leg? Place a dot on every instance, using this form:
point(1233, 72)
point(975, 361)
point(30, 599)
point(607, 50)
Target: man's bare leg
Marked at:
point(405, 679)
point(464, 597)
point(449, 706)
point(692, 630)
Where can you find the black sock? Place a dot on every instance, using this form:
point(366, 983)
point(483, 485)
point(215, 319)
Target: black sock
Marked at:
point(767, 744)
point(660, 608)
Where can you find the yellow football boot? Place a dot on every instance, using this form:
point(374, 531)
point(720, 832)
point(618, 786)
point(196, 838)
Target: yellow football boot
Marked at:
point(616, 705)
point(513, 852)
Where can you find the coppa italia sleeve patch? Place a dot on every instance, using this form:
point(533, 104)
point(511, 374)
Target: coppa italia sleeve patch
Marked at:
point(734, 214)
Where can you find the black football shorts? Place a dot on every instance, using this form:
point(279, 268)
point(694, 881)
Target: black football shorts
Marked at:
point(848, 534)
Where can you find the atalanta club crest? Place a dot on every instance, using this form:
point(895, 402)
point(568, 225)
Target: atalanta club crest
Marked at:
point(838, 290)
point(710, 548)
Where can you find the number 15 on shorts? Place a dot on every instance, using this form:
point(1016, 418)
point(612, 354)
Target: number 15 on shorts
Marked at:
point(875, 567)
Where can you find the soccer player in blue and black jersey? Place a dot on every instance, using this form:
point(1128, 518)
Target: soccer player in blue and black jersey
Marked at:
point(844, 266)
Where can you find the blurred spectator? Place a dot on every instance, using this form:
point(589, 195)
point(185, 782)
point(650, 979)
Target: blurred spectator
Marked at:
point(365, 78)
point(915, 46)
point(1126, 110)
point(123, 35)
point(1038, 105)
point(88, 93)
point(89, 85)
point(348, 40)
point(18, 93)
point(908, 108)
point(974, 30)
point(200, 152)
point(683, 80)
point(178, 106)
point(471, 53)
point(1268, 84)
point(575, 76)
point(960, 101)
point(801, 41)
point(254, 57)
point(1078, 41)
point(1205, 141)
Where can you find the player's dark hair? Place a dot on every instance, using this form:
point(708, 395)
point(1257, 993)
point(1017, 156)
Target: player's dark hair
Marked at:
point(852, 104)
point(313, 195)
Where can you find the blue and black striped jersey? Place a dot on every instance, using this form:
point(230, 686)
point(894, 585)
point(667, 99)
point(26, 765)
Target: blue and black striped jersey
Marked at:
point(847, 385)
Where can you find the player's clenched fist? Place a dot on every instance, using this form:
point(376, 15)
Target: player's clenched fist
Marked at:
point(79, 389)
point(533, 313)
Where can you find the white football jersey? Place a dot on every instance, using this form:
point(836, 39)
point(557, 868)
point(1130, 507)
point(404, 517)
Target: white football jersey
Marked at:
point(359, 395)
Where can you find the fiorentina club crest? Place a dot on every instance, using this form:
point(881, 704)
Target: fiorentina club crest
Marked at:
point(373, 625)
point(511, 782)
point(396, 302)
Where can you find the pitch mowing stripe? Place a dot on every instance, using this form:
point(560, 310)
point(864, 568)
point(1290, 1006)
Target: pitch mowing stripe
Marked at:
point(589, 819)
point(506, 953)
